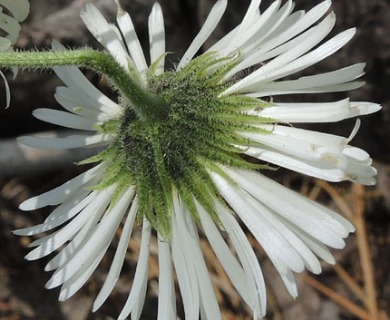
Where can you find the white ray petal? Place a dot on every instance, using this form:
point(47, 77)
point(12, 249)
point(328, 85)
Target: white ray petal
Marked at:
point(138, 289)
point(71, 286)
point(119, 257)
point(81, 88)
point(167, 297)
point(278, 250)
point(52, 242)
point(223, 42)
point(84, 94)
point(320, 170)
point(102, 235)
point(166, 286)
point(248, 259)
point(9, 25)
point(287, 57)
point(77, 242)
point(232, 267)
point(340, 219)
point(252, 13)
point(314, 153)
point(65, 119)
point(287, 32)
point(315, 245)
point(61, 193)
point(318, 54)
point(70, 142)
point(70, 101)
point(208, 27)
point(322, 81)
point(276, 18)
point(273, 88)
point(157, 37)
point(302, 143)
point(18, 8)
point(293, 49)
point(133, 45)
point(61, 214)
point(108, 35)
point(193, 253)
point(260, 28)
point(308, 258)
point(289, 282)
point(284, 33)
point(186, 274)
point(316, 112)
point(5, 45)
point(7, 90)
point(302, 212)
point(263, 27)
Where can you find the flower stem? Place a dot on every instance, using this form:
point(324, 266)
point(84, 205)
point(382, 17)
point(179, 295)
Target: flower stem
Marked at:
point(147, 105)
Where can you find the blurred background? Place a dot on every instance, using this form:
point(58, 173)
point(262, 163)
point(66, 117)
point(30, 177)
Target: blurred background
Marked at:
point(358, 287)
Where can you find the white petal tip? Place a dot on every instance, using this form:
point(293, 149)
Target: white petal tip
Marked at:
point(28, 205)
point(31, 256)
point(21, 232)
point(349, 226)
point(293, 291)
point(24, 206)
point(96, 306)
point(23, 140)
point(316, 270)
point(65, 294)
point(365, 107)
point(48, 268)
point(52, 284)
point(349, 33)
point(156, 6)
point(62, 297)
point(372, 107)
point(340, 244)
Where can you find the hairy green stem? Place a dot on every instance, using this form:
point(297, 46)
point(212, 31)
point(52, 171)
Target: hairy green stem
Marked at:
point(147, 105)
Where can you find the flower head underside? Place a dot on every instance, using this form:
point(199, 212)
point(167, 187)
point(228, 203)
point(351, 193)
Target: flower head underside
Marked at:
point(198, 132)
point(187, 148)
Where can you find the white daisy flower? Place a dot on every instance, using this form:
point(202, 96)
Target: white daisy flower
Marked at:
point(10, 26)
point(195, 157)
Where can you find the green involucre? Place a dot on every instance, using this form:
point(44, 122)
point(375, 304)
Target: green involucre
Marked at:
point(176, 150)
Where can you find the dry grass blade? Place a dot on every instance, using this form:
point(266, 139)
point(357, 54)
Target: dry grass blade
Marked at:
point(365, 255)
point(350, 282)
point(368, 296)
point(273, 305)
point(337, 298)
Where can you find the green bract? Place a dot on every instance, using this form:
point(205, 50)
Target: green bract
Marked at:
point(198, 130)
